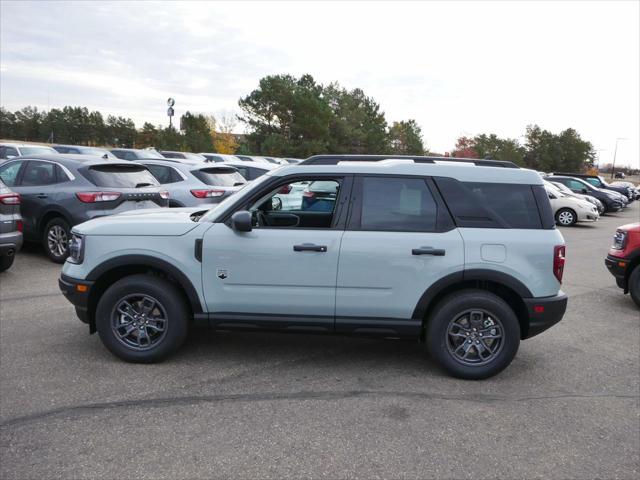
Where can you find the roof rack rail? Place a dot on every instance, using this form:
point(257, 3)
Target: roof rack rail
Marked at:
point(335, 159)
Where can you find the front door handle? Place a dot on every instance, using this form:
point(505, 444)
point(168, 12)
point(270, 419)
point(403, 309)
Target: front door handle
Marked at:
point(309, 247)
point(42, 195)
point(438, 252)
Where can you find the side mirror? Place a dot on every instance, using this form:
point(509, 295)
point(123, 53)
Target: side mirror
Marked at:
point(241, 221)
point(9, 157)
point(584, 190)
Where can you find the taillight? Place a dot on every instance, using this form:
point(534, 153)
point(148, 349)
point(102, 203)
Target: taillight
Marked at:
point(308, 194)
point(285, 190)
point(164, 194)
point(558, 261)
point(207, 193)
point(20, 225)
point(93, 197)
point(10, 198)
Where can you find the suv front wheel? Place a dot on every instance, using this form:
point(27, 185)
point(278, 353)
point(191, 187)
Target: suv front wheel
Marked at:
point(142, 319)
point(473, 334)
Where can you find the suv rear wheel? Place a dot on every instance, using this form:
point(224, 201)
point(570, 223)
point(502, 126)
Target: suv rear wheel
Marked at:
point(142, 319)
point(56, 239)
point(473, 334)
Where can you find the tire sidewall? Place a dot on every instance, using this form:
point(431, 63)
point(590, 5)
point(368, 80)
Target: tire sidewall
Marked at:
point(158, 288)
point(6, 261)
point(454, 305)
point(62, 223)
point(634, 285)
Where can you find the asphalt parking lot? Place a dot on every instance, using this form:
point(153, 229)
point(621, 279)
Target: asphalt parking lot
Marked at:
point(288, 406)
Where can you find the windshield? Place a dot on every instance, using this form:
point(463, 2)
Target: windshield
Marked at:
point(220, 207)
point(36, 151)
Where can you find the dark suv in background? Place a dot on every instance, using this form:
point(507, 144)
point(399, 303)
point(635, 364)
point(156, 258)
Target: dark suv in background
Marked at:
point(598, 182)
point(60, 191)
point(10, 226)
point(610, 200)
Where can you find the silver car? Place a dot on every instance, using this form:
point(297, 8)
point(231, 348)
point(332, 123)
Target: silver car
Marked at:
point(192, 184)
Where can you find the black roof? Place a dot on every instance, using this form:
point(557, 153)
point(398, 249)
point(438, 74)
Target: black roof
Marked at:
point(334, 159)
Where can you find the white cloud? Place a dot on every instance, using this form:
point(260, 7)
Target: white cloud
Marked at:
point(458, 67)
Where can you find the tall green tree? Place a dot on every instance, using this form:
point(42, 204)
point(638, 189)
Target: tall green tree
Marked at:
point(287, 116)
point(197, 134)
point(496, 148)
point(550, 152)
point(357, 124)
point(405, 138)
point(7, 124)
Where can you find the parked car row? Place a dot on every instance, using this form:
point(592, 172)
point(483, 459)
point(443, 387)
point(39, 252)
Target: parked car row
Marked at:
point(71, 184)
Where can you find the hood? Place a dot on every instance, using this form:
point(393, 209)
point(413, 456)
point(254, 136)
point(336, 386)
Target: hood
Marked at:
point(630, 227)
point(147, 222)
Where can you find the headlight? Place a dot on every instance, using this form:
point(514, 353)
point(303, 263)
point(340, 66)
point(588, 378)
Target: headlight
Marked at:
point(619, 240)
point(76, 248)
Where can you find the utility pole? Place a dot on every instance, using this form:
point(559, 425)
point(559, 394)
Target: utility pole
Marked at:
point(615, 151)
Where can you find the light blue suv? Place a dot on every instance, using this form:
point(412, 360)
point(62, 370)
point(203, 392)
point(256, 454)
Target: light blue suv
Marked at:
point(462, 255)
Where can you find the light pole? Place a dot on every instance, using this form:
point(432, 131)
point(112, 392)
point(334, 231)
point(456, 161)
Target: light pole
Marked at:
point(615, 151)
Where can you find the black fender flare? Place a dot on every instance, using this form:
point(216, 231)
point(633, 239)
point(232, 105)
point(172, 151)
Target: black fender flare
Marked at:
point(152, 262)
point(468, 275)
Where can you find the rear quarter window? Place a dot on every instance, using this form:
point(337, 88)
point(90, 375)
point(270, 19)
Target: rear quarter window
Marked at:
point(495, 205)
point(515, 204)
point(120, 176)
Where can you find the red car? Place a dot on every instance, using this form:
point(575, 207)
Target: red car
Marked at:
point(623, 260)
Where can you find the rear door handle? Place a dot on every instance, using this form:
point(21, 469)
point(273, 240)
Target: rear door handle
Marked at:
point(42, 195)
point(309, 247)
point(438, 252)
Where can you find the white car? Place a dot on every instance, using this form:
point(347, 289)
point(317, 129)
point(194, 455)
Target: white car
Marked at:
point(13, 150)
point(570, 210)
point(569, 193)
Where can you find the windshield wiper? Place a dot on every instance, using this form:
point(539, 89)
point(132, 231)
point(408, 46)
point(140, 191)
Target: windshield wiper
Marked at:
point(143, 184)
point(237, 184)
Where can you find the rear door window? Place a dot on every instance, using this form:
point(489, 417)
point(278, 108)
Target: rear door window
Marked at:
point(396, 204)
point(38, 173)
point(120, 176)
point(221, 177)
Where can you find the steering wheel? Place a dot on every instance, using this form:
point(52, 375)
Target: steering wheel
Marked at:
point(261, 219)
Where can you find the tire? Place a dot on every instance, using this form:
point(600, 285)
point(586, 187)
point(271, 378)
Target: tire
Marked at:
point(161, 338)
point(56, 239)
point(634, 285)
point(6, 261)
point(443, 337)
point(566, 217)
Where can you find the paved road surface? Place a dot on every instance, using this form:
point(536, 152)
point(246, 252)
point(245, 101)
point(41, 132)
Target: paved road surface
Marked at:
point(277, 406)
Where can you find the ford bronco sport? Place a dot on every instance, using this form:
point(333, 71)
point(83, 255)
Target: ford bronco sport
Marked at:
point(462, 255)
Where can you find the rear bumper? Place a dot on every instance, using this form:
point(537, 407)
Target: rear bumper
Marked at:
point(617, 266)
point(544, 312)
point(77, 292)
point(10, 243)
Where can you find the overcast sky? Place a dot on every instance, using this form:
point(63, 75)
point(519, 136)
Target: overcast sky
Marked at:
point(457, 68)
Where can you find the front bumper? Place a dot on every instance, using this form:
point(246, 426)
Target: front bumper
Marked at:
point(544, 312)
point(617, 266)
point(77, 292)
